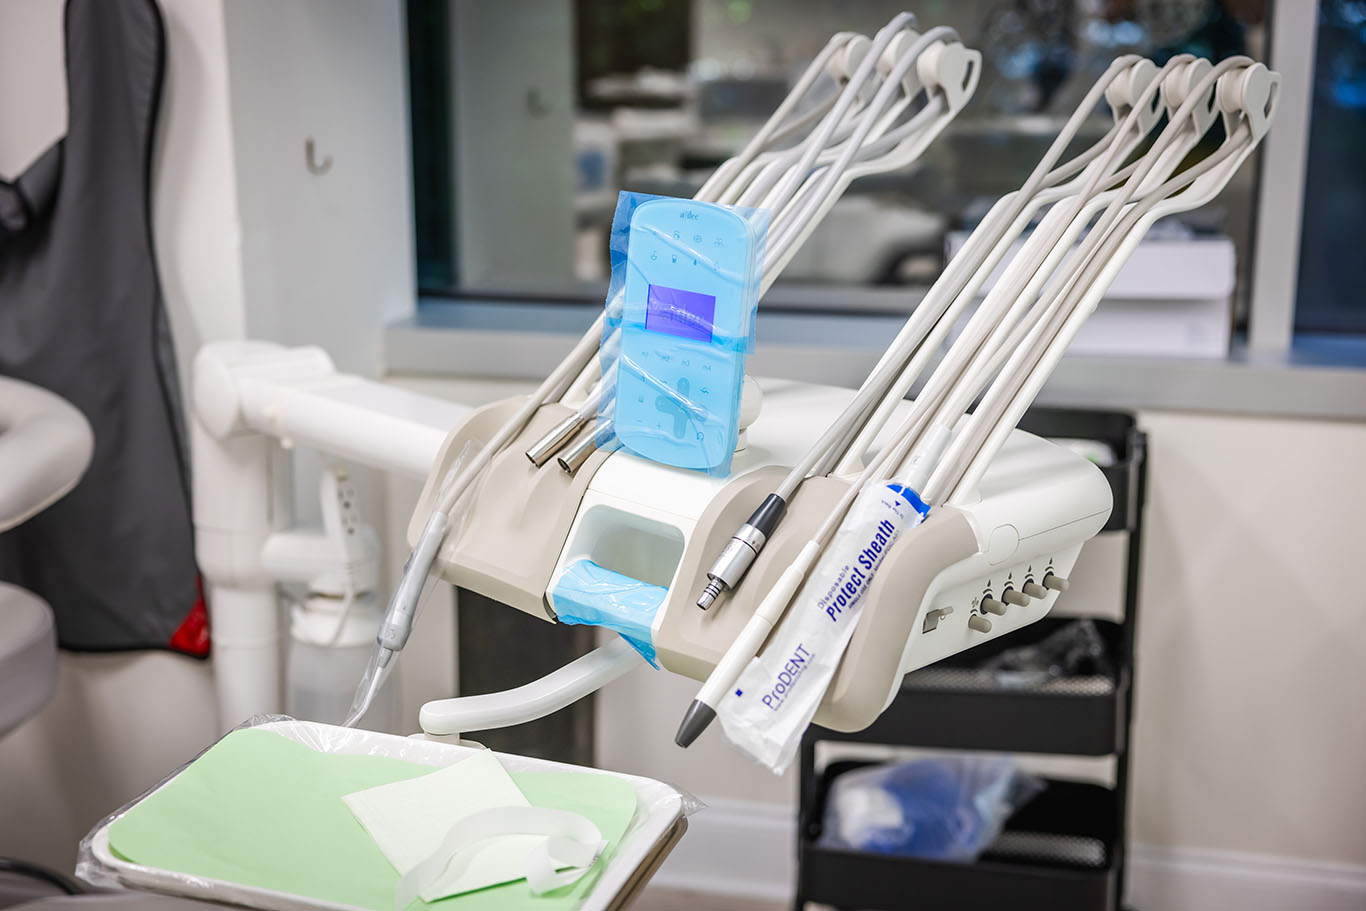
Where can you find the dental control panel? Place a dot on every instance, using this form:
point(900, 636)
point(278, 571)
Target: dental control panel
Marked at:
point(690, 291)
point(978, 571)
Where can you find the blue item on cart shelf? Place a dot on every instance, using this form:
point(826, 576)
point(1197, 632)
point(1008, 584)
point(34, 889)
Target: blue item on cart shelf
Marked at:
point(940, 808)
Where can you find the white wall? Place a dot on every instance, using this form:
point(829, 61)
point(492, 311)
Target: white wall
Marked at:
point(1250, 732)
point(328, 257)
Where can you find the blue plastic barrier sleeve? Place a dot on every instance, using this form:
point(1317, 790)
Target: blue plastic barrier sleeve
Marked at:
point(590, 595)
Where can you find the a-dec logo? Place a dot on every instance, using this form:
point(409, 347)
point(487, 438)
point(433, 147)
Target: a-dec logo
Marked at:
point(689, 215)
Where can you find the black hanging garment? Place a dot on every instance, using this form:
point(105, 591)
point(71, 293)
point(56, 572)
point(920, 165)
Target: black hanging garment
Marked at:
point(81, 314)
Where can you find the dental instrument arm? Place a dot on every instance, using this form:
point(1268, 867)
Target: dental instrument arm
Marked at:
point(1253, 92)
point(774, 128)
point(922, 462)
point(730, 566)
point(1066, 198)
point(1186, 127)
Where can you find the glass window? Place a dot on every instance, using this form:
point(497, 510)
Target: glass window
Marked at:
point(1332, 275)
point(662, 91)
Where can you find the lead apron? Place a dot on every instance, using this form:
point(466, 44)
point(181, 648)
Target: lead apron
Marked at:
point(81, 314)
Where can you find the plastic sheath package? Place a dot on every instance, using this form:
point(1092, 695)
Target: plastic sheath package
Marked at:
point(778, 693)
point(586, 593)
point(948, 808)
point(680, 320)
point(269, 817)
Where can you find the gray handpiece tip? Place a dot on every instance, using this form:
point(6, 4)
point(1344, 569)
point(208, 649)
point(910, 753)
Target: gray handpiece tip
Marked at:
point(694, 723)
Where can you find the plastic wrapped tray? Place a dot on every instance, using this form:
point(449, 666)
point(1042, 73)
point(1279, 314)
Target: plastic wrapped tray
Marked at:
point(658, 824)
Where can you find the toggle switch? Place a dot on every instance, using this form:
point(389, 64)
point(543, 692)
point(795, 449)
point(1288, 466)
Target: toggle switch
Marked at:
point(933, 617)
point(992, 606)
point(1011, 596)
point(1034, 590)
point(979, 623)
point(1055, 582)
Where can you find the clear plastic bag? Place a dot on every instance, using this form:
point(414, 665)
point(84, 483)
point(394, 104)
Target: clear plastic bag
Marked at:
point(1072, 650)
point(680, 318)
point(660, 809)
point(949, 807)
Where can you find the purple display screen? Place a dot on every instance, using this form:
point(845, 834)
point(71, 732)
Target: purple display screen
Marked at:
point(686, 314)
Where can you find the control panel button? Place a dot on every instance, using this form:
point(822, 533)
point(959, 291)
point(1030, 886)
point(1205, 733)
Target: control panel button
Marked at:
point(1055, 582)
point(979, 623)
point(1034, 590)
point(992, 606)
point(672, 407)
point(1011, 596)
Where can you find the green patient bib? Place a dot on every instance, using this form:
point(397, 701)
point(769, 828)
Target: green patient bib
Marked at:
point(262, 810)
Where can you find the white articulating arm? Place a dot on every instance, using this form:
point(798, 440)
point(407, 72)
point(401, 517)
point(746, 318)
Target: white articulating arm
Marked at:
point(577, 679)
point(297, 396)
point(243, 394)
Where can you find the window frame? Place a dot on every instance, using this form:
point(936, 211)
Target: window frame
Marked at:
point(1277, 217)
point(1293, 31)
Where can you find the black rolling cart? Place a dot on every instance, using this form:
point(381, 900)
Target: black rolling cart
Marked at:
point(1066, 848)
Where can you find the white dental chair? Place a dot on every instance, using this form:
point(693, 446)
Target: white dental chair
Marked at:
point(45, 446)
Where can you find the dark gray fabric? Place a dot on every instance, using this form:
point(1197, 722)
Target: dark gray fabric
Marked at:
point(32, 193)
point(81, 314)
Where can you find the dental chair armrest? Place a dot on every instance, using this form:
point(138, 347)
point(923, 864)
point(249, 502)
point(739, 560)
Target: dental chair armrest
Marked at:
point(554, 691)
point(45, 447)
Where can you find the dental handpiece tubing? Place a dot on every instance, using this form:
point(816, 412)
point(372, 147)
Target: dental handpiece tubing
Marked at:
point(398, 619)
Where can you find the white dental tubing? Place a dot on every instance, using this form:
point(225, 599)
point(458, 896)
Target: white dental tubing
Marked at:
point(1038, 335)
point(914, 342)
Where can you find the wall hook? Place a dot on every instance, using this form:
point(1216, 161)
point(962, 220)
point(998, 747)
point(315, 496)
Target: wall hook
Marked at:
point(535, 104)
point(311, 159)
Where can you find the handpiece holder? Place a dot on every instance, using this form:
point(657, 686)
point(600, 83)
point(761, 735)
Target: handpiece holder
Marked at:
point(518, 515)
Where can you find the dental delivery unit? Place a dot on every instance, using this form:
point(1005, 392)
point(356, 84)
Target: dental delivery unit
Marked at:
point(796, 549)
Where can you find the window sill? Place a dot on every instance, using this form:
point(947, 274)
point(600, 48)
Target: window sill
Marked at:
point(1321, 377)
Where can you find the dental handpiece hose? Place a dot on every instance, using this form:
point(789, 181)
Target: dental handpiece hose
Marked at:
point(400, 614)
